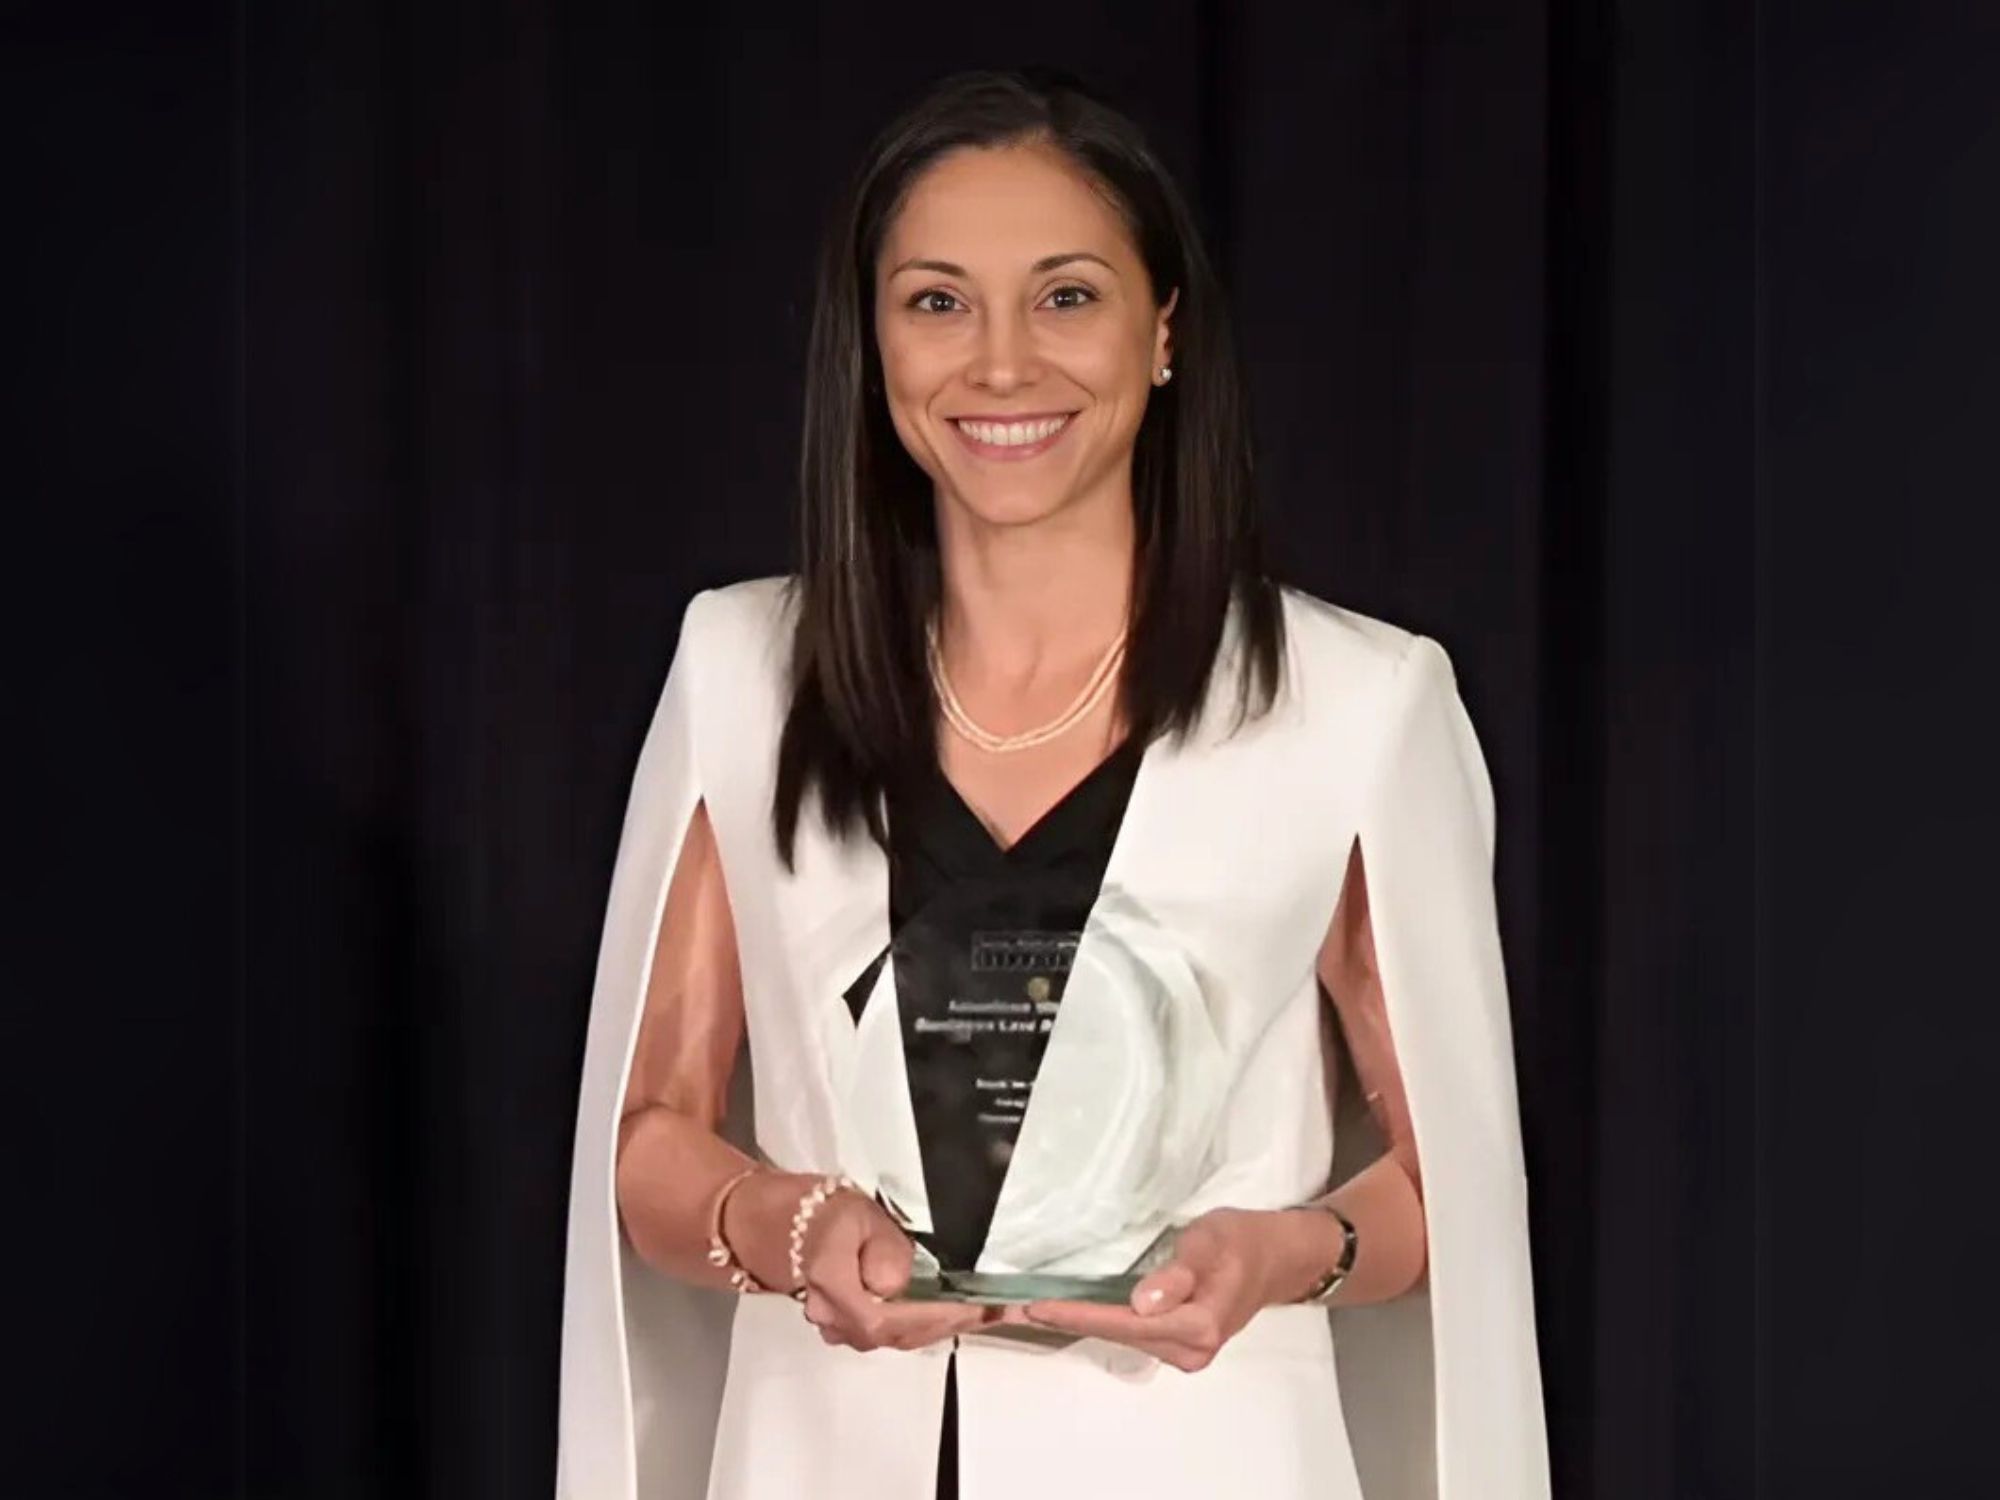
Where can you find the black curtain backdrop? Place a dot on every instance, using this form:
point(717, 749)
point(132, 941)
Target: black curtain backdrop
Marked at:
point(527, 290)
point(395, 371)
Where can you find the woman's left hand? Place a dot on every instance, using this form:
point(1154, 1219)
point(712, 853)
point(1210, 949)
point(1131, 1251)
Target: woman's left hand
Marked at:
point(1227, 1264)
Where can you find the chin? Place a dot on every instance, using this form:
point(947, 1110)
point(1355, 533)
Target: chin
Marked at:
point(1011, 505)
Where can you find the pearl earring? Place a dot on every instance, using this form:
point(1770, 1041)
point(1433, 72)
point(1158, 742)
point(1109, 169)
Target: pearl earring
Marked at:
point(1166, 373)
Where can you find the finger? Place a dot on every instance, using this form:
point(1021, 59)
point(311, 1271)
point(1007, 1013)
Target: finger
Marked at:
point(910, 1327)
point(1187, 1336)
point(892, 1325)
point(1165, 1288)
point(1190, 1350)
point(1126, 1328)
point(855, 1312)
point(1096, 1320)
point(871, 1322)
point(833, 1271)
point(825, 1321)
point(886, 1257)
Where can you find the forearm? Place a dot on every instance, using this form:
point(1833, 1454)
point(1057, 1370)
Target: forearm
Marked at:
point(670, 1168)
point(1385, 1199)
point(1387, 1211)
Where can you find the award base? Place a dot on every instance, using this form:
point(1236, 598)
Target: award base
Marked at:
point(1004, 1289)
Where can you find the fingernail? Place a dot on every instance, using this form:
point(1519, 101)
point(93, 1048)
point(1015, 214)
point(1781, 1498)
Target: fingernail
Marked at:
point(1152, 1297)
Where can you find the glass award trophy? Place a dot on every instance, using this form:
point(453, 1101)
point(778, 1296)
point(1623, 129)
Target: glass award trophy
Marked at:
point(1034, 1104)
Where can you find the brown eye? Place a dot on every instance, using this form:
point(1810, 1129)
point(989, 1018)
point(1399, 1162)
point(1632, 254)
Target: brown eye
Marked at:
point(1076, 297)
point(929, 301)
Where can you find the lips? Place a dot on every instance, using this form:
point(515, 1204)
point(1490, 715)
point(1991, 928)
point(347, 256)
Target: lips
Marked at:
point(1012, 438)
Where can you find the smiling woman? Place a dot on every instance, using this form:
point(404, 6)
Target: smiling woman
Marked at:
point(1046, 853)
point(997, 353)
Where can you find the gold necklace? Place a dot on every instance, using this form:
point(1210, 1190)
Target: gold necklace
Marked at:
point(1101, 679)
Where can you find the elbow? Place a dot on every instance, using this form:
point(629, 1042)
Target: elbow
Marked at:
point(1420, 1269)
point(1412, 1239)
point(1415, 1267)
point(623, 1177)
point(635, 1175)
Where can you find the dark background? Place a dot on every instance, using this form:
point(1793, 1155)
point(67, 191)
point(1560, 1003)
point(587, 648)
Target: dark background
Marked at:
point(389, 374)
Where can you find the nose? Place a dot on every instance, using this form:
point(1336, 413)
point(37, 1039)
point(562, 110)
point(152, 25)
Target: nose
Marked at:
point(1005, 357)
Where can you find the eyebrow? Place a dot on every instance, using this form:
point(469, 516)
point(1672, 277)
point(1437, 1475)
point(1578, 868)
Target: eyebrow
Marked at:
point(1046, 263)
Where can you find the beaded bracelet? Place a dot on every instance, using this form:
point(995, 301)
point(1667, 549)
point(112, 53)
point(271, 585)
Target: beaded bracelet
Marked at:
point(809, 1204)
point(719, 1254)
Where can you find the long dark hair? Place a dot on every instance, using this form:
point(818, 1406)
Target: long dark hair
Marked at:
point(862, 711)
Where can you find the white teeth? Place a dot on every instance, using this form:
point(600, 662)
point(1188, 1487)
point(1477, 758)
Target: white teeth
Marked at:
point(1012, 434)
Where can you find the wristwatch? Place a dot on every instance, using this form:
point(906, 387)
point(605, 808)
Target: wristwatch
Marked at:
point(1323, 1290)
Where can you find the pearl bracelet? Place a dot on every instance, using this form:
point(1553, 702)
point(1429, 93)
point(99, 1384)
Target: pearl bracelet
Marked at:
point(809, 1204)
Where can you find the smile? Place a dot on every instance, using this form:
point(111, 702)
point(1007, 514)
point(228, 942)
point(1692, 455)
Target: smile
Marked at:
point(1014, 439)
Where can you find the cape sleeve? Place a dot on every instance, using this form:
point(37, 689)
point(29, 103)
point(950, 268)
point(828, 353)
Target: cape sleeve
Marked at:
point(1392, 1184)
point(671, 1161)
point(1426, 831)
point(642, 1354)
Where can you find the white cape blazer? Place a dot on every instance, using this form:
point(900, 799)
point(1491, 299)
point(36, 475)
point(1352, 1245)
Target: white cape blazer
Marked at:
point(1237, 839)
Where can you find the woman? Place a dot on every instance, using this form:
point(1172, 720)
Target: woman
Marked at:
point(1032, 679)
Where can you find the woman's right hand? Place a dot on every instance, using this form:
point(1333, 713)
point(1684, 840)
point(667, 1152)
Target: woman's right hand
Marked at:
point(856, 1259)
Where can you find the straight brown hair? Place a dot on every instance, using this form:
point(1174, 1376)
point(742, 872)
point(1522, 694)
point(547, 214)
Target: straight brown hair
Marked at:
point(862, 710)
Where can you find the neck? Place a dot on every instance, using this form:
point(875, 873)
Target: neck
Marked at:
point(1021, 601)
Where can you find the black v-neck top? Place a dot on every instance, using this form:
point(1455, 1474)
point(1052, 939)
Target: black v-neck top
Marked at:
point(982, 939)
point(936, 839)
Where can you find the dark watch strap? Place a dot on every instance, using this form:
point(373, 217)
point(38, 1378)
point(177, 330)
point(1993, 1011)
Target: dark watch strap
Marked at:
point(1328, 1284)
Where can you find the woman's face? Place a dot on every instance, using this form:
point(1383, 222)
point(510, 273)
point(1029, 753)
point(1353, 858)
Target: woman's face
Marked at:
point(1018, 333)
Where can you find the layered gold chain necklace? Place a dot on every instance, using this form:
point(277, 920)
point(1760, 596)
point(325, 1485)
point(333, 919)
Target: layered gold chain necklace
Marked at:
point(1101, 679)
